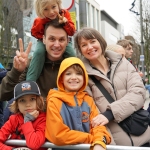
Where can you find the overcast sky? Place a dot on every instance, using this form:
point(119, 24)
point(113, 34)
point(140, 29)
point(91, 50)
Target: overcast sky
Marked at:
point(119, 10)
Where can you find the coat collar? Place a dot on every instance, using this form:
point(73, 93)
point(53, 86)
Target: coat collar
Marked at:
point(114, 57)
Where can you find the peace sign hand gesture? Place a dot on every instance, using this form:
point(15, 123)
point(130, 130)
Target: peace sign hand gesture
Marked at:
point(62, 19)
point(21, 59)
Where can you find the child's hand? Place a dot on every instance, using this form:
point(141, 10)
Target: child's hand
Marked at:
point(99, 120)
point(98, 147)
point(62, 19)
point(21, 148)
point(31, 116)
point(34, 113)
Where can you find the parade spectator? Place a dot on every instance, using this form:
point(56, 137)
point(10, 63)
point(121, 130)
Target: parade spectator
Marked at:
point(55, 37)
point(147, 86)
point(116, 48)
point(1, 114)
point(70, 109)
point(6, 110)
point(119, 78)
point(28, 120)
point(3, 73)
point(46, 11)
point(127, 45)
point(1, 66)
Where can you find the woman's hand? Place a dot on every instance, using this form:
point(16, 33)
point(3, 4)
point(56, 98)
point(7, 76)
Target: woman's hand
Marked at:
point(62, 19)
point(98, 147)
point(21, 59)
point(99, 120)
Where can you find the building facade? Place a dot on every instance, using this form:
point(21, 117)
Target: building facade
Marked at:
point(89, 12)
point(110, 29)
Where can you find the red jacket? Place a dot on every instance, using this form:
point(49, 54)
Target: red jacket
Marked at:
point(37, 29)
point(15, 128)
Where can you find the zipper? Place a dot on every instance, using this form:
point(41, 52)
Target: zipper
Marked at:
point(76, 100)
point(113, 77)
point(53, 65)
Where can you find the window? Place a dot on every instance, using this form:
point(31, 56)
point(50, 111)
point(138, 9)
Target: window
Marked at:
point(113, 38)
point(27, 38)
point(92, 17)
point(13, 41)
point(88, 16)
point(14, 38)
point(97, 20)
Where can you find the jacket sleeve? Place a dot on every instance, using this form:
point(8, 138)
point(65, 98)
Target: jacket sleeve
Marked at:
point(134, 98)
point(60, 134)
point(37, 29)
point(35, 137)
point(3, 73)
point(8, 83)
point(69, 25)
point(5, 132)
point(100, 134)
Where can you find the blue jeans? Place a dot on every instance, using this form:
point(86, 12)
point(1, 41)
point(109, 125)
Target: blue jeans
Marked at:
point(148, 88)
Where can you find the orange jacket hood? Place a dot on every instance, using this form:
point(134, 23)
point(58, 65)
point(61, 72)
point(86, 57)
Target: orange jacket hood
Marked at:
point(66, 63)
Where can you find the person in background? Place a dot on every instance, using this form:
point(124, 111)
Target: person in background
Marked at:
point(116, 48)
point(127, 45)
point(28, 120)
point(48, 10)
point(1, 66)
point(3, 73)
point(6, 110)
point(70, 109)
point(147, 86)
point(119, 78)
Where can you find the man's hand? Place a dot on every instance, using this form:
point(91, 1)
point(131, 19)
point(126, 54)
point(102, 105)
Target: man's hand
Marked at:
point(99, 120)
point(21, 59)
point(62, 19)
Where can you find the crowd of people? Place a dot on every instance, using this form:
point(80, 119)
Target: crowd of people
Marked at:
point(54, 97)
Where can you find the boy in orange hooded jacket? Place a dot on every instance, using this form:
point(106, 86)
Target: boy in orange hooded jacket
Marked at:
point(70, 109)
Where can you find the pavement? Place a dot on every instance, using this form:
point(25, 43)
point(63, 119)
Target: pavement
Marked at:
point(147, 101)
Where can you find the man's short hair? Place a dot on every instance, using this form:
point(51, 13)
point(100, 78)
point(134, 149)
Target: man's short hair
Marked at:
point(124, 43)
point(54, 23)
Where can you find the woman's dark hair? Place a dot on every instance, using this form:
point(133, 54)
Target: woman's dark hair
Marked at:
point(89, 33)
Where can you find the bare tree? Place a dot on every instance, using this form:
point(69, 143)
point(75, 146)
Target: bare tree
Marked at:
point(146, 35)
point(145, 30)
point(11, 23)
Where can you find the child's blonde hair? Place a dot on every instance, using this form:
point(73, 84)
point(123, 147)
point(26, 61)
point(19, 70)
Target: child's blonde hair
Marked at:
point(39, 103)
point(116, 48)
point(39, 6)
